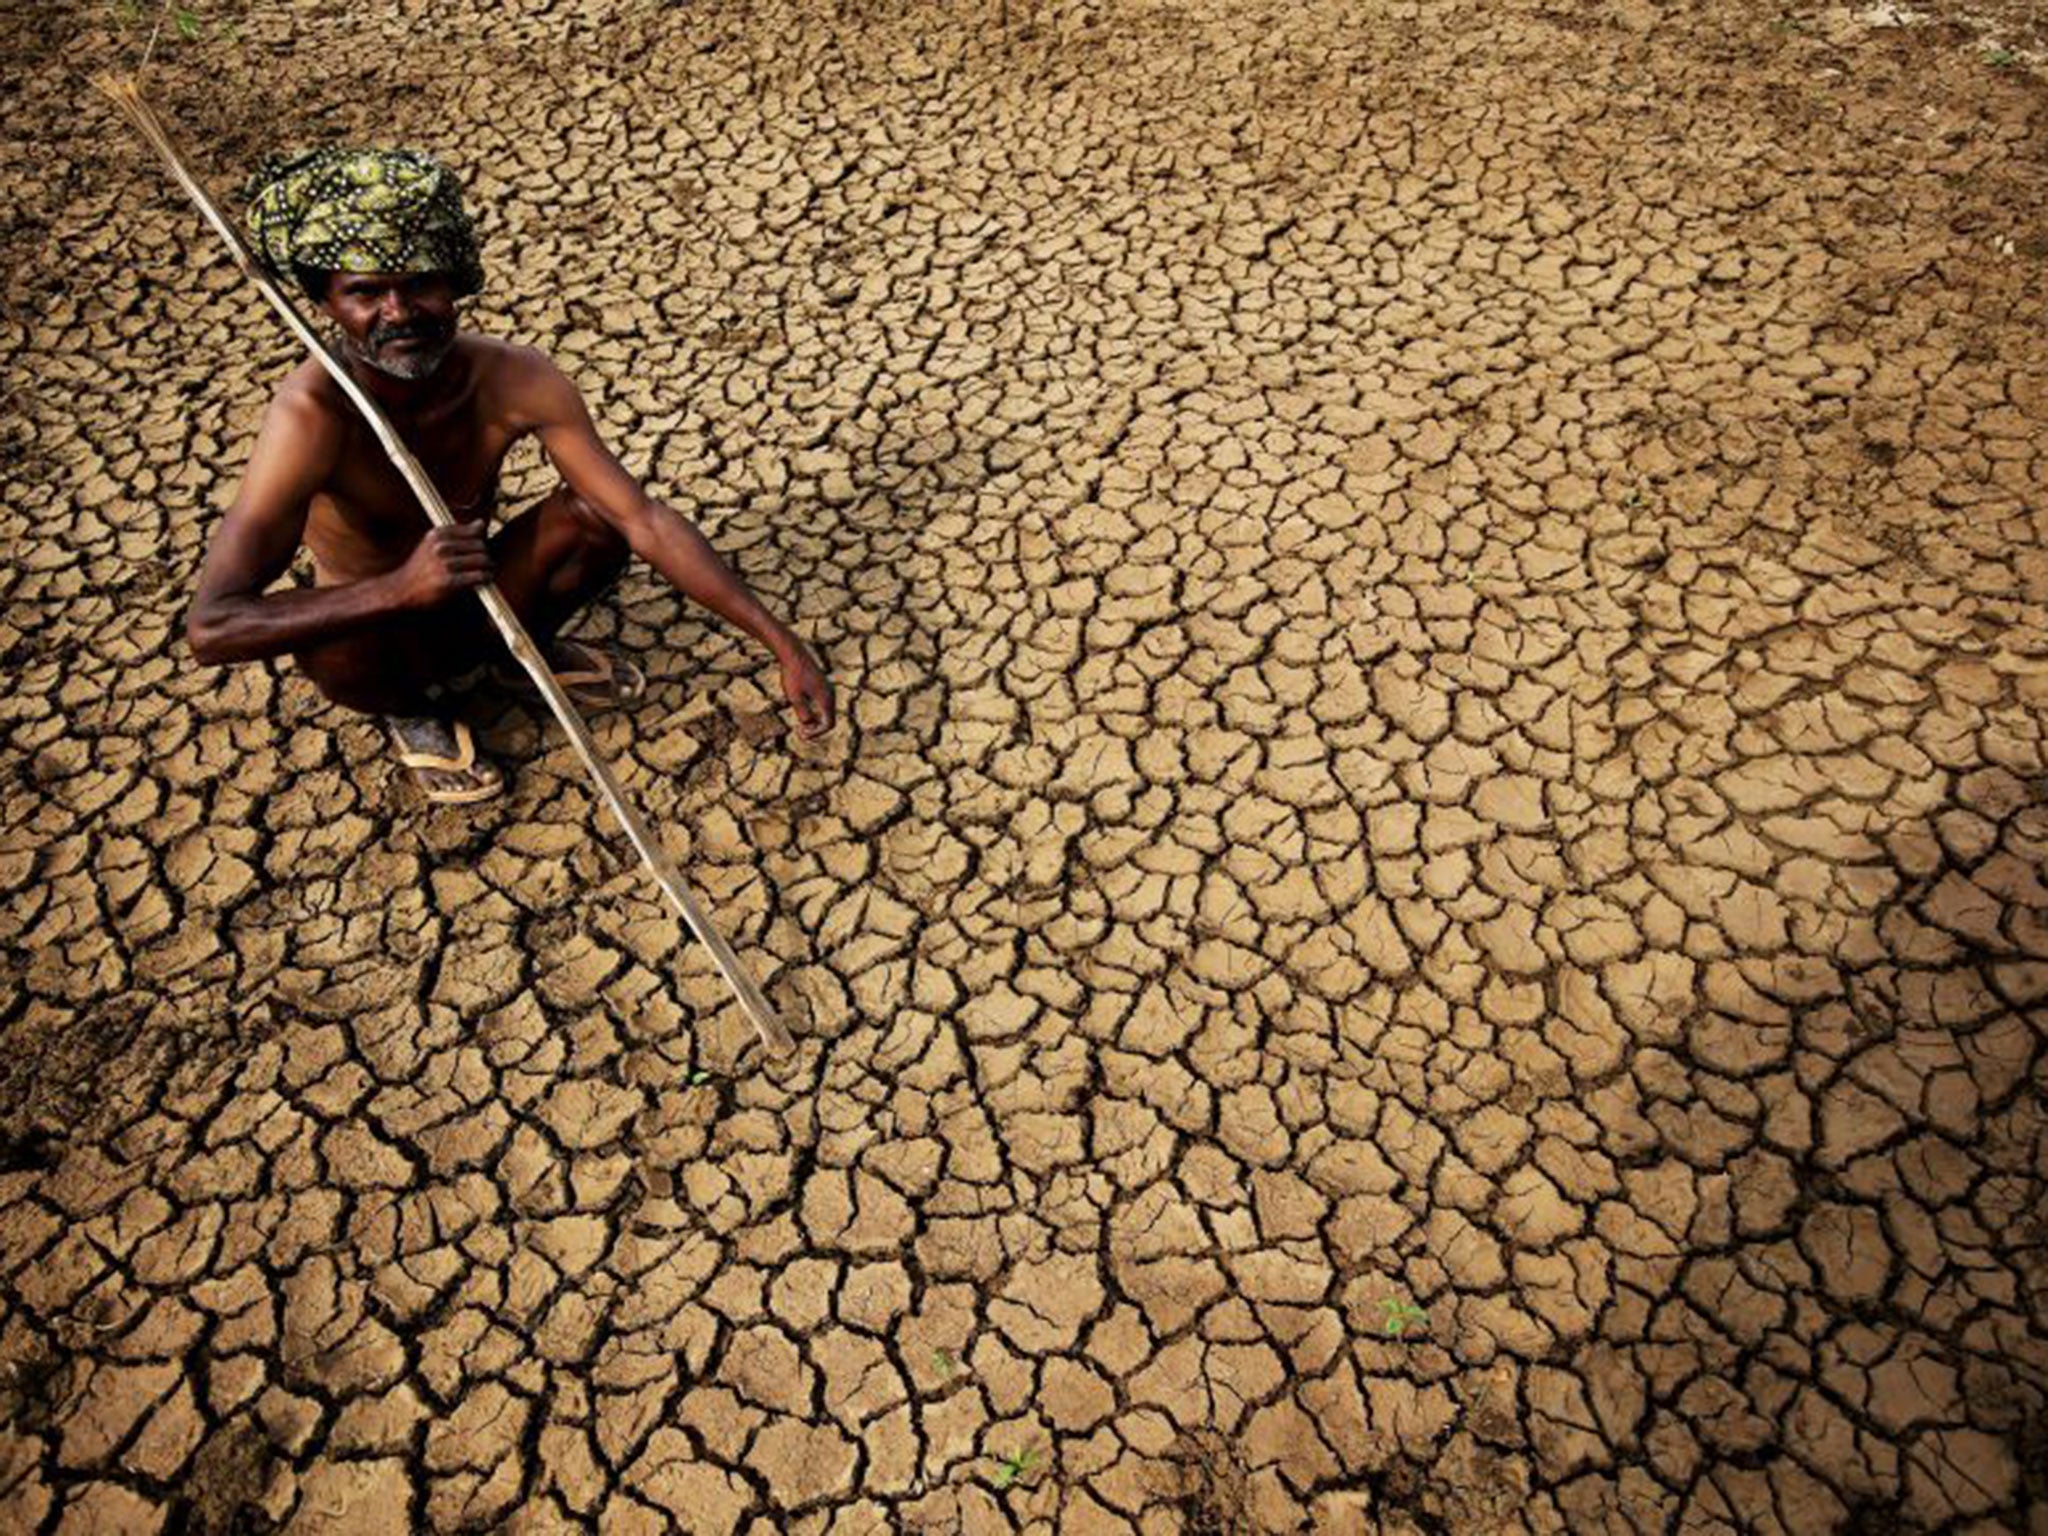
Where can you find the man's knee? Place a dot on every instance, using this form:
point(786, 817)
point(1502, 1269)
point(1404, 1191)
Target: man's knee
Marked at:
point(387, 669)
point(351, 679)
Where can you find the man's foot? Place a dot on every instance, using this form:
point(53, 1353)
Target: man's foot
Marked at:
point(443, 760)
point(591, 677)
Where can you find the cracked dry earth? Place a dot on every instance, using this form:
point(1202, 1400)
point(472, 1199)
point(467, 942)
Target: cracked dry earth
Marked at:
point(1430, 916)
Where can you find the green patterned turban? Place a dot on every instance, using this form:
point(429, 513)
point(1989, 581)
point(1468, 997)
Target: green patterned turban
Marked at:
point(362, 210)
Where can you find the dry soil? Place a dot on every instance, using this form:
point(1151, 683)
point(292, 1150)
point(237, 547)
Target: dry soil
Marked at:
point(1430, 914)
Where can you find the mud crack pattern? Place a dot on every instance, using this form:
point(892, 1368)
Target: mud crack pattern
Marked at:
point(1430, 916)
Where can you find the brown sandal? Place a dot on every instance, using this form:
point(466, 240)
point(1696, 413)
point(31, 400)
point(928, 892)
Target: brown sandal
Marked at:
point(591, 678)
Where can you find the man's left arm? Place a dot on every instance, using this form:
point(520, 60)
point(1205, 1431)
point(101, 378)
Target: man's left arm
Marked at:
point(544, 399)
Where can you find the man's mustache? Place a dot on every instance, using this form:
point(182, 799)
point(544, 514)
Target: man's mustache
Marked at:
point(418, 330)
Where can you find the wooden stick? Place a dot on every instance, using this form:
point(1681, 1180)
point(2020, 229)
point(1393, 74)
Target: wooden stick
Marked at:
point(775, 1036)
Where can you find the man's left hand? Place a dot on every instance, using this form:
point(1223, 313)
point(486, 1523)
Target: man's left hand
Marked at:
point(810, 696)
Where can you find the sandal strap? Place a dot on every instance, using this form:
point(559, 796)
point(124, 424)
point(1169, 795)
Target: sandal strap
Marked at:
point(461, 762)
point(597, 667)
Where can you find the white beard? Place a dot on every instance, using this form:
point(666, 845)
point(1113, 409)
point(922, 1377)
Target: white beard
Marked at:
point(408, 365)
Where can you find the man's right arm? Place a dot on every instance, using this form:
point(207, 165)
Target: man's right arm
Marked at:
point(233, 619)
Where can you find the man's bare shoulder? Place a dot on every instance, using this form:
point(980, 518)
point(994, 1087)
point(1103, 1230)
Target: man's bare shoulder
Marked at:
point(499, 355)
point(510, 363)
point(309, 414)
point(525, 381)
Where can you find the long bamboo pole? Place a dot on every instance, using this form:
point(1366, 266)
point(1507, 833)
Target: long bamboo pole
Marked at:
point(775, 1036)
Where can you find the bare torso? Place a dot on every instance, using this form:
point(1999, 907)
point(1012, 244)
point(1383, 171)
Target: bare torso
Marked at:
point(365, 520)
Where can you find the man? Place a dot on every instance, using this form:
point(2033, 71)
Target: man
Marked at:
point(380, 240)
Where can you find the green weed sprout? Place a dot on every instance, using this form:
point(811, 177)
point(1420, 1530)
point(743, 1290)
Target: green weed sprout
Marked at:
point(1010, 1468)
point(1402, 1315)
point(186, 22)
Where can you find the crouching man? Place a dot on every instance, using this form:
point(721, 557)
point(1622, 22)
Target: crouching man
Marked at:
point(379, 238)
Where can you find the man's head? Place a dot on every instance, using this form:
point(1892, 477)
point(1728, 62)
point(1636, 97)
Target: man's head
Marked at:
point(380, 239)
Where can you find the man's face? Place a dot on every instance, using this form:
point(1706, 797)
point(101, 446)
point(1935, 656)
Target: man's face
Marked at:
point(402, 324)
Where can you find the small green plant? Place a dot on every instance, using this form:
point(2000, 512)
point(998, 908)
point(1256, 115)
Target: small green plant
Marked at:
point(1010, 1468)
point(184, 21)
point(699, 1078)
point(2001, 58)
point(1402, 1315)
point(947, 1366)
